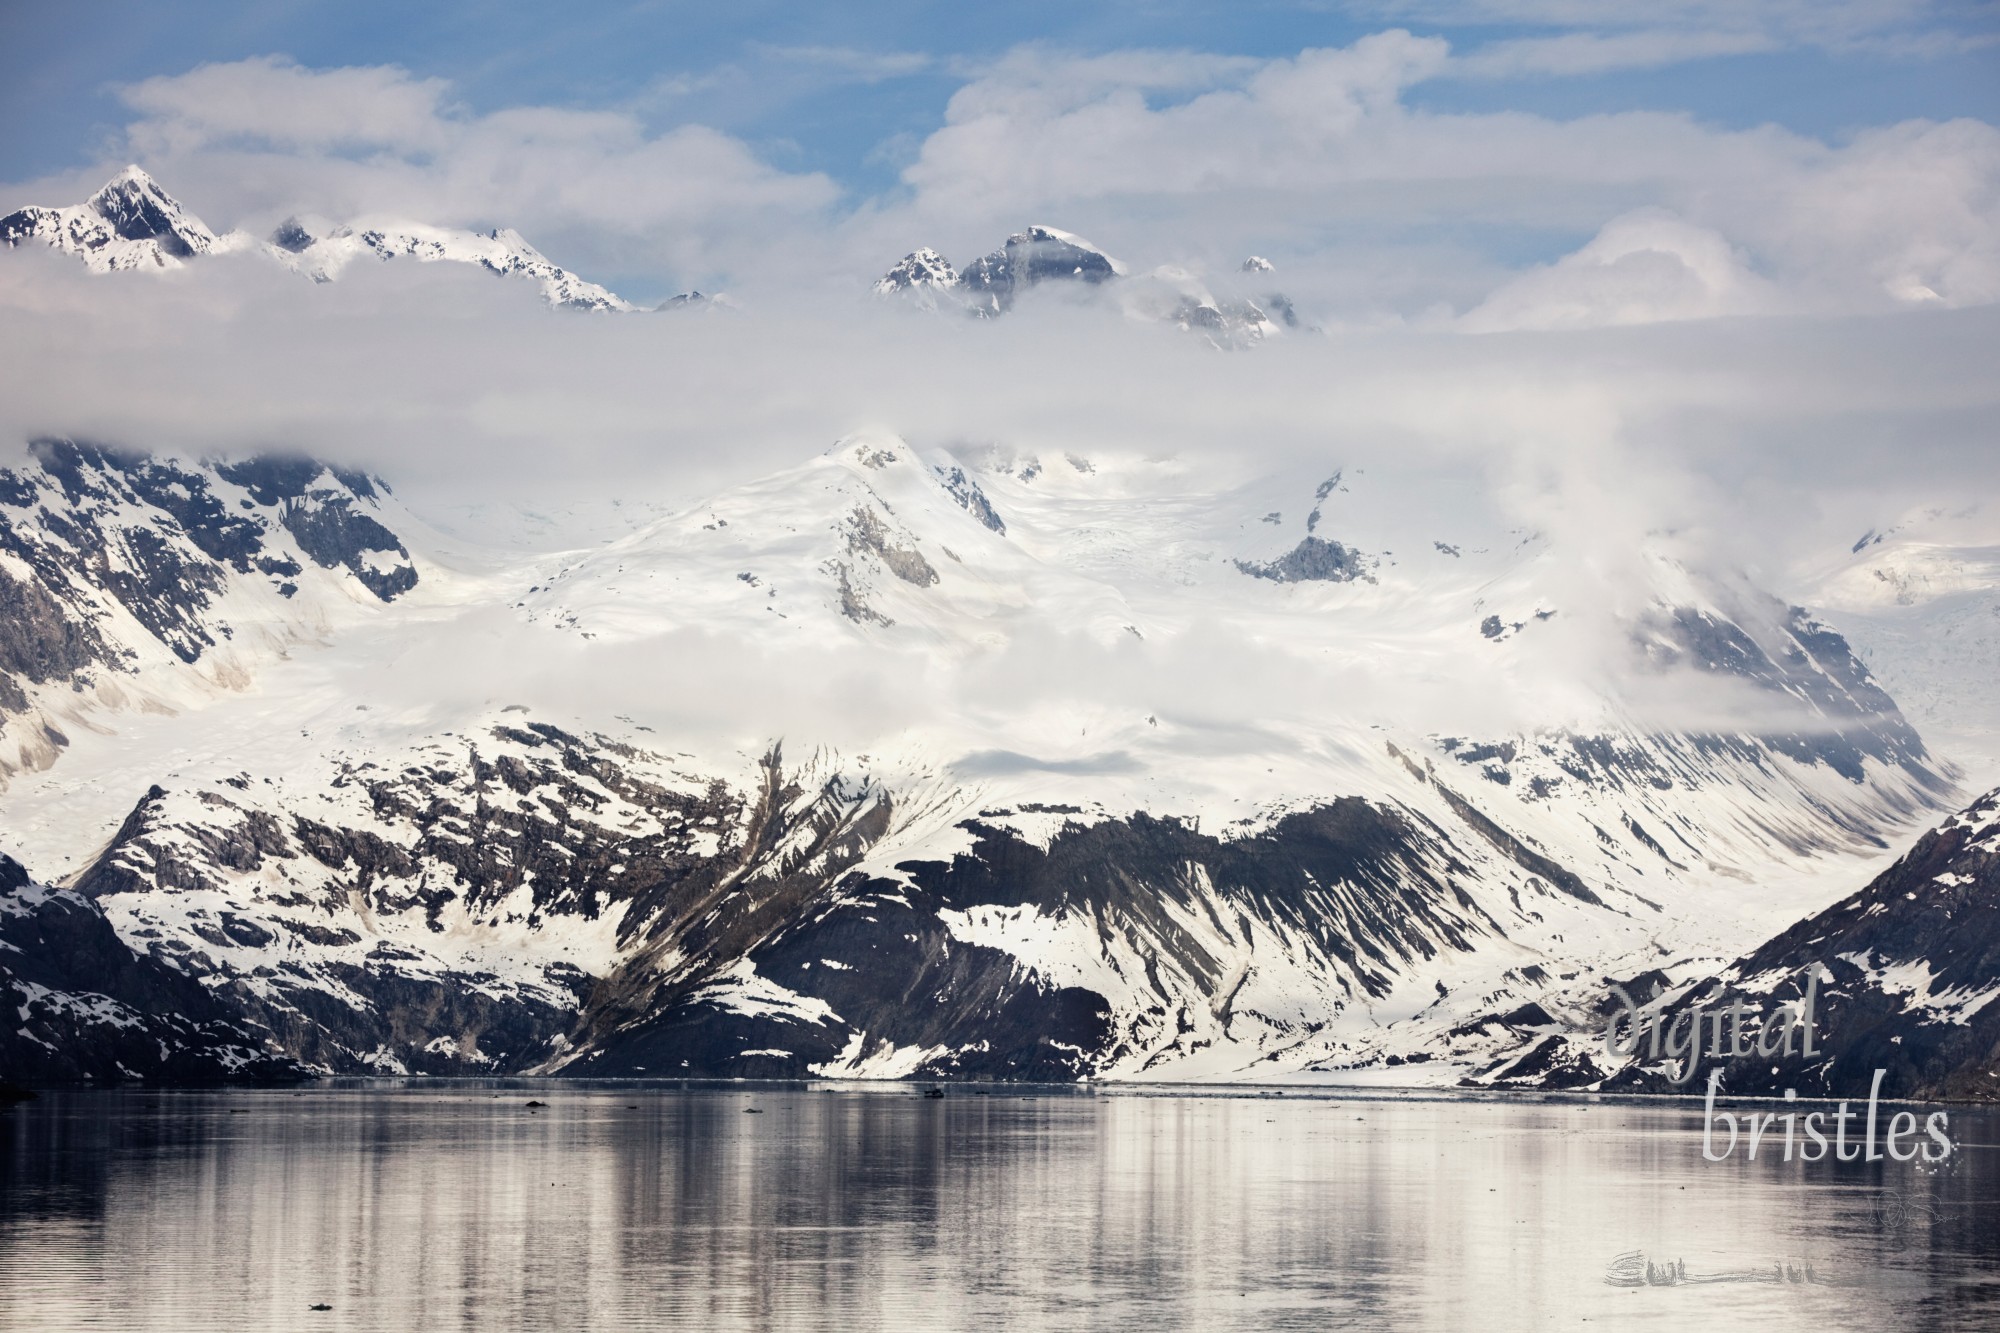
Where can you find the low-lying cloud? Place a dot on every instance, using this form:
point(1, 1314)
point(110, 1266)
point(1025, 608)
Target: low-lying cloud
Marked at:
point(1740, 349)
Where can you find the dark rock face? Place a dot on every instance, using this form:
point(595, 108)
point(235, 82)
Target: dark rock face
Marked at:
point(1314, 559)
point(292, 236)
point(973, 500)
point(517, 827)
point(876, 970)
point(867, 534)
point(139, 210)
point(324, 520)
point(725, 933)
point(126, 547)
point(1808, 670)
point(76, 1003)
point(24, 224)
point(1911, 980)
point(39, 642)
point(1031, 257)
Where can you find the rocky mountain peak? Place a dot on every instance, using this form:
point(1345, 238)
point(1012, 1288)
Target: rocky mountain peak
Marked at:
point(130, 223)
point(990, 283)
point(923, 269)
point(137, 209)
point(133, 223)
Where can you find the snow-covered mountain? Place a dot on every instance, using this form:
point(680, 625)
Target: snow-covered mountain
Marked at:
point(1040, 256)
point(1920, 599)
point(82, 1004)
point(321, 250)
point(990, 284)
point(1911, 968)
point(1908, 970)
point(133, 582)
point(1216, 838)
point(132, 223)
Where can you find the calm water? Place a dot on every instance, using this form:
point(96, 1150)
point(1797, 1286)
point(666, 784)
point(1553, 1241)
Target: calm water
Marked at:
point(456, 1206)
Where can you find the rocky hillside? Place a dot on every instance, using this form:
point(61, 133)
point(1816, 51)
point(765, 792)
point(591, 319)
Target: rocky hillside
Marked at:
point(1908, 972)
point(77, 1003)
point(396, 867)
point(133, 581)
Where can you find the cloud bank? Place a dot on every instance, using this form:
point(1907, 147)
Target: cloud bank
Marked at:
point(1378, 210)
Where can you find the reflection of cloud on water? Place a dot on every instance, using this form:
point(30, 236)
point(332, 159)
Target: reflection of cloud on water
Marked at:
point(1634, 1269)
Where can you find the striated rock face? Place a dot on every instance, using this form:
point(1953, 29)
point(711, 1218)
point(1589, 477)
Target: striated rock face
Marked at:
point(444, 914)
point(114, 562)
point(528, 899)
point(1176, 941)
point(1909, 983)
point(76, 1003)
point(464, 908)
point(1910, 980)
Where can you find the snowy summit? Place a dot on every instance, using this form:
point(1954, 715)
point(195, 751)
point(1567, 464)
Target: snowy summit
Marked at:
point(132, 223)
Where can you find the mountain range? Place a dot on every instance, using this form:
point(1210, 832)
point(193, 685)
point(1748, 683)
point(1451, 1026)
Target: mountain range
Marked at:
point(954, 761)
point(1114, 884)
point(131, 223)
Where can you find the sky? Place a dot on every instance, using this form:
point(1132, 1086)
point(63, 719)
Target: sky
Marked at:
point(664, 146)
point(1803, 186)
point(827, 87)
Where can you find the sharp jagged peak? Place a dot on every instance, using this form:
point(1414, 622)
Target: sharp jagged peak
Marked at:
point(922, 269)
point(1040, 234)
point(1039, 253)
point(138, 209)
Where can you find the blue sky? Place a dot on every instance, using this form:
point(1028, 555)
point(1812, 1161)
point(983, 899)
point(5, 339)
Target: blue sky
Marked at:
point(1404, 160)
point(796, 80)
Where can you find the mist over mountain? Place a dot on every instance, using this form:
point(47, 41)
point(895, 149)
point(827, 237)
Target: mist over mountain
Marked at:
point(1114, 775)
point(1050, 666)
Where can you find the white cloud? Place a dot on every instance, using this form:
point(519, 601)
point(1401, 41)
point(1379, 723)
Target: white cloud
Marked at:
point(1593, 53)
point(1645, 267)
point(269, 100)
point(853, 64)
point(1050, 126)
point(249, 142)
point(1808, 20)
point(1309, 151)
